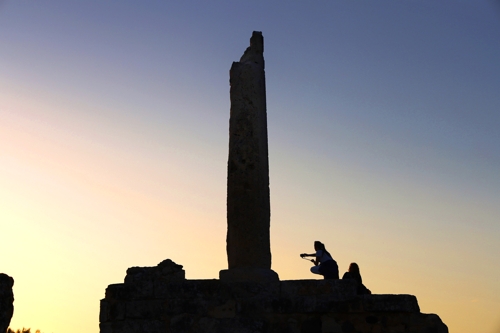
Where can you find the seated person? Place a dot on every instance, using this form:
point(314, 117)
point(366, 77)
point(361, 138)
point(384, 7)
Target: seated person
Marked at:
point(354, 274)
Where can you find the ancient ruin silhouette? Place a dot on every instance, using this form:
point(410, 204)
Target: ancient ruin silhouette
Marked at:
point(6, 301)
point(249, 297)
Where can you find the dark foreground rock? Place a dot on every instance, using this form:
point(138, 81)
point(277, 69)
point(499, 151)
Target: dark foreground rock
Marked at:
point(6, 301)
point(153, 300)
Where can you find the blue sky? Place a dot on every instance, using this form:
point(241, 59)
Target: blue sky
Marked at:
point(383, 139)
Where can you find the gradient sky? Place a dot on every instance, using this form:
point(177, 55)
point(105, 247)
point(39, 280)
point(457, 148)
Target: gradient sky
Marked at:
point(384, 143)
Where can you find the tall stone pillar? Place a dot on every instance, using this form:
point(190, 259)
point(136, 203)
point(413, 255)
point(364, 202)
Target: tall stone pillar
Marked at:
point(248, 203)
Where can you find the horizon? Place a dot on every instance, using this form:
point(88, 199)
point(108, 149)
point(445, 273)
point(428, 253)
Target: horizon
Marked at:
point(383, 144)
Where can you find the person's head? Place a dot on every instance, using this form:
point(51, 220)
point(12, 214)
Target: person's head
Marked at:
point(354, 268)
point(319, 246)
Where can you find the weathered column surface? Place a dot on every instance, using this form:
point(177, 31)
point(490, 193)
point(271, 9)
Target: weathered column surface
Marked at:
point(248, 203)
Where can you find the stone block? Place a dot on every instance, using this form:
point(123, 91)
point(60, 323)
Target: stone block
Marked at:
point(242, 325)
point(315, 295)
point(311, 325)
point(134, 326)
point(254, 299)
point(390, 303)
point(433, 324)
point(188, 289)
point(167, 270)
point(142, 280)
point(288, 324)
point(103, 311)
point(339, 290)
point(140, 286)
point(206, 325)
point(144, 309)
point(257, 275)
point(105, 327)
point(191, 306)
point(330, 325)
point(241, 290)
point(119, 291)
point(111, 311)
point(226, 310)
point(172, 289)
point(182, 323)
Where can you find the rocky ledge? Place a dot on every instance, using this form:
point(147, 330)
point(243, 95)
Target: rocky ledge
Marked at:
point(6, 301)
point(159, 299)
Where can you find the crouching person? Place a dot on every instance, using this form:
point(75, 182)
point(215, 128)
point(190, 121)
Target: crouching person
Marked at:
point(323, 262)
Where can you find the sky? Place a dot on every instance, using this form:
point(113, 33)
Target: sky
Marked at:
point(384, 144)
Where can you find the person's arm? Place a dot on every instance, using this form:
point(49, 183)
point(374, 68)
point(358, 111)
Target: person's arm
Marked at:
point(303, 255)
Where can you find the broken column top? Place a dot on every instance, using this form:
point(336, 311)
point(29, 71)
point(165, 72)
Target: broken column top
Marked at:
point(255, 52)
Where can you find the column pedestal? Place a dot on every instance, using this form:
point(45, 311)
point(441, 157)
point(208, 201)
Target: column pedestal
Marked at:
point(259, 275)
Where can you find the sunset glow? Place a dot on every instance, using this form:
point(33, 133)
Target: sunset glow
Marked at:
point(383, 143)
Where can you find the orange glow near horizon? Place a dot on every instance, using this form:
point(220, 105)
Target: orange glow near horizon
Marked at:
point(82, 217)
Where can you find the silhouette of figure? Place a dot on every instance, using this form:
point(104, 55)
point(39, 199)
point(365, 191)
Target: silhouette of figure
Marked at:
point(324, 263)
point(353, 273)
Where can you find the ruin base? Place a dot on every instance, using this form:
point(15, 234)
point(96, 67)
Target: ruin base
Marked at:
point(159, 300)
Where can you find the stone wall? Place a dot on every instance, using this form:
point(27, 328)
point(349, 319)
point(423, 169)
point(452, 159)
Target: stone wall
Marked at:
point(159, 299)
point(6, 301)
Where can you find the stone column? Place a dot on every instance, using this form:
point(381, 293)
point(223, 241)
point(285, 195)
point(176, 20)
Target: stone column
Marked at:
point(248, 205)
